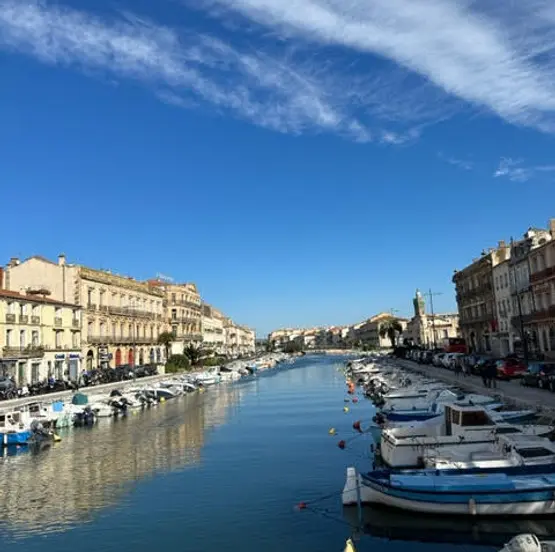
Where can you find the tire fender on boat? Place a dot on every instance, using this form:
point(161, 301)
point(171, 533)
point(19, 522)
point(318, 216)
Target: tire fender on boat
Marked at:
point(472, 507)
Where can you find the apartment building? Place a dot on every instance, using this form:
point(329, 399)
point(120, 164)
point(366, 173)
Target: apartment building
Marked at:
point(122, 317)
point(39, 337)
point(213, 329)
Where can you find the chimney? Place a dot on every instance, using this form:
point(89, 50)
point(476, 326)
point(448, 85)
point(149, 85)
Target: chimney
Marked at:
point(501, 244)
point(552, 227)
point(14, 261)
point(61, 259)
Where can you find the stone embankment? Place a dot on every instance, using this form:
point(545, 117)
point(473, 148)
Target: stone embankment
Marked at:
point(510, 392)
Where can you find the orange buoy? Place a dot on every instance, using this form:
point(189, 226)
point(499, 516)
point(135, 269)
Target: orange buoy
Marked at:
point(356, 426)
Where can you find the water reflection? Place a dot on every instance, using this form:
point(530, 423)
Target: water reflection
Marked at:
point(397, 525)
point(91, 468)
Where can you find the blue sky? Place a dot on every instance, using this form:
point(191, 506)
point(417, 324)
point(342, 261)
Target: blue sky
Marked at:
point(306, 162)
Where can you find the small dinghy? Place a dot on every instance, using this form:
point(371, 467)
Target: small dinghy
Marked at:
point(528, 543)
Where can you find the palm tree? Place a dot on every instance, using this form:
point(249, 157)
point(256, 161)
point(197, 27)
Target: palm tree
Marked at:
point(166, 339)
point(391, 328)
point(193, 353)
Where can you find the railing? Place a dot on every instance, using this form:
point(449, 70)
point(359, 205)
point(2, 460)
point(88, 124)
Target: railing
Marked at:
point(185, 320)
point(76, 323)
point(104, 308)
point(100, 340)
point(58, 321)
point(23, 319)
point(179, 303)
point(477, 319)
point(542, 275)
point(10, 318)
point(24, 352)
point(192, 337)
point(91, 306)
point(35, 319)
point(482, 289)
point(536, 316)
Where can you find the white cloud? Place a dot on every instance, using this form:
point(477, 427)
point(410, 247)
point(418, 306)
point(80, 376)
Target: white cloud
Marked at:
point(460, 163)
point(491, 55)
point(273, 92)
point(514, 170)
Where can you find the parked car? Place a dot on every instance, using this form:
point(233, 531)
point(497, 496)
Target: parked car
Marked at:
point(426, 357)
point(510, 368)
point(438, 358)
point(456, 359)
point(531, 377)
point(546, 377)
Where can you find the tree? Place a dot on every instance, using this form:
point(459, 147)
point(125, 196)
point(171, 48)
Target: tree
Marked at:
point(193, 353)
point(292, 347)
point(391, 328)
point(166, 339)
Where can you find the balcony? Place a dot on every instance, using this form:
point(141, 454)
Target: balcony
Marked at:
point(106, 339)
point(98, 339)
point(188, 304)
point(192, 337)
point(91, 306)
point(537, 277)
point(10, 318)
point(76, 323)
point(104, 308)
point(476, 319)
point(23, 319)
point(537, 316)
point(58, 322)
point(23, 352)
point(35, 319)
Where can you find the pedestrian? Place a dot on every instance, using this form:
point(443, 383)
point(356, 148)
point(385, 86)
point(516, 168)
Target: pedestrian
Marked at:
point(457, 368)
point(484, 374)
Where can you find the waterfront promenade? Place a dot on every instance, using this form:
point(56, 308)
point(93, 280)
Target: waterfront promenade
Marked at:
point(511, 392)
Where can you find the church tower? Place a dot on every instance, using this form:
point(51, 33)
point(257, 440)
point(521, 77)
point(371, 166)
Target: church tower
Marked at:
point(419, 305)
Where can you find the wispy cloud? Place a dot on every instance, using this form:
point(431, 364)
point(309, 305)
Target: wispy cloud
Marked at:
point(492, 56)
point(514, 170)
point(185, 69)
point(460, 163)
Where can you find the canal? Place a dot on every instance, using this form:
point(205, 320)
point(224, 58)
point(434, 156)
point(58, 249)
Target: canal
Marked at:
point(220, 471)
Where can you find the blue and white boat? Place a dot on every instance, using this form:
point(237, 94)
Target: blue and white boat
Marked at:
point(13, 429)
point(447, 493)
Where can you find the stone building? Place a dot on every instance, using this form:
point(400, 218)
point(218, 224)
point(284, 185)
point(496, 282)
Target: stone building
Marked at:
point(39, 337)
point(182, 313)
point(213, 330)
point(540, 322)
point(429, 330)
point(122, 317)
point(368, 332)
point(476, 299)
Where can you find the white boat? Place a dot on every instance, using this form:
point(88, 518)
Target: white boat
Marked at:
point(101, 409)
point(207, 378)
point(467, 427)
point(528, 543)
point(442, 492)
point(507, 451)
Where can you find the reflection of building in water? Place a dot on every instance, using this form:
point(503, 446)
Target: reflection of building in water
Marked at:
point(219, 402)
point(90, 469)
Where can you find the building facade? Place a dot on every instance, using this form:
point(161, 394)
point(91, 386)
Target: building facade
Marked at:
point(122, 317)
point(476, 299)
point(182, 313)
point(503, 339)
point(213, 330)
point(368, 332)
point(39, 338)
point(429, 330)
point(540, 322)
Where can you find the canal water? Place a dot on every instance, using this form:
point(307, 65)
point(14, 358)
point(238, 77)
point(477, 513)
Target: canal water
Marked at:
point(222, 471)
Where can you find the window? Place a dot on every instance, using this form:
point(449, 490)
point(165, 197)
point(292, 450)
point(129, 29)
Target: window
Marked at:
point(59, 336)
point(173, 298)
point(35, 338)
point(75, 340)
point(22, 339)
point(114, 330)
point(101, 297)
point(35, 367)
point(9, 338)
point(90, 296)
point(506, 279)
point(58, 312)
point(102, 329)
point(552, 338)
point(90, 329)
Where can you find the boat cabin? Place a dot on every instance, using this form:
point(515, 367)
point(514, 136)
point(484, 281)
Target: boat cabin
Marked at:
point(460, 418)
point(11, 421)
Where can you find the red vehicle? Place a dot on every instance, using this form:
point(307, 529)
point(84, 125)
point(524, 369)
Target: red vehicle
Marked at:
point(454, 345)
point(510, 368)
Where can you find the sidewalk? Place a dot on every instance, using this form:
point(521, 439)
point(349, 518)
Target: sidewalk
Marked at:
point(511, 392)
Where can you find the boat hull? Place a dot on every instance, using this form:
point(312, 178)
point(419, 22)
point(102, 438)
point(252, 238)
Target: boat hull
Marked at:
point(12, 439)
point(533, 502)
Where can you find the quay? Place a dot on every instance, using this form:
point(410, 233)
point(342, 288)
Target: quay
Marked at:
point(90, 391)
point(510, 392)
